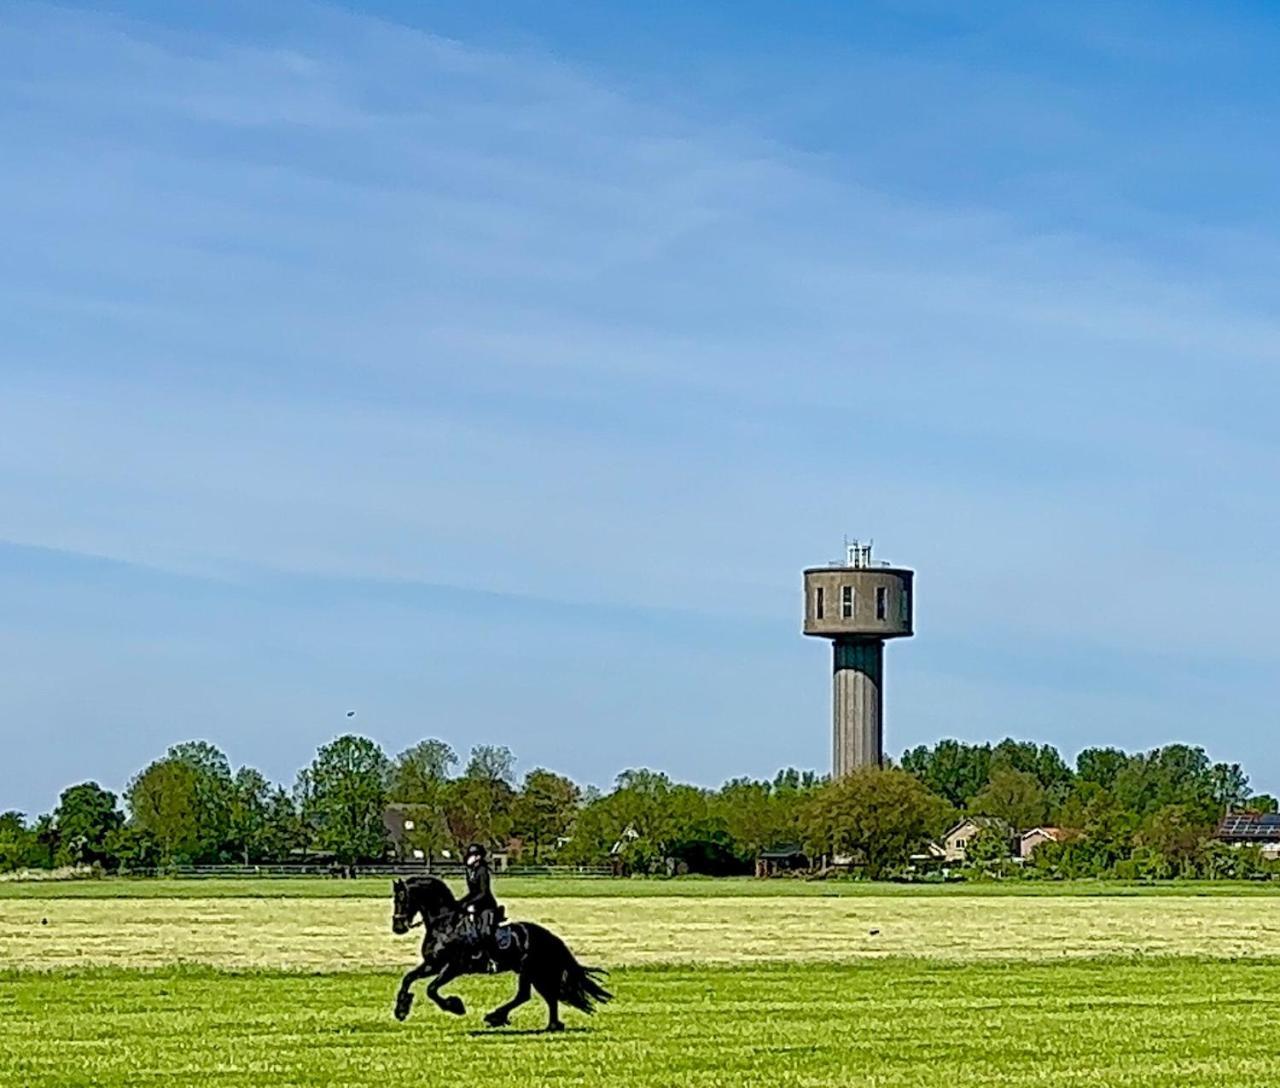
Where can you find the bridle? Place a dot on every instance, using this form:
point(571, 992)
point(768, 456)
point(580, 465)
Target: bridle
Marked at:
point(403, 916)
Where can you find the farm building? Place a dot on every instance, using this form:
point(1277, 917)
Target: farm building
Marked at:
point(1252, 829)
point(1029, 840)
point(956, 841)
point(781, 859)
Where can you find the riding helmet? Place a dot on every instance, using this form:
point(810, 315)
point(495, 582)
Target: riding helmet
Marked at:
point(475, 850)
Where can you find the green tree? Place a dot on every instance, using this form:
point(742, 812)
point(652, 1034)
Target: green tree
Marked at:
point(754, 816)
point(477, 810)
point(85, 819)
point(477, 806)
point(247, 816)
point(418, 771)
point(642, 809)
point(1174, 775)
point(420, 780)
point(343, 797)
point(952, 769)
point(1043, 762)
point(492, 763)
point(282, 829)
point(595, 830)
point(1176, 833)
point(45, 833)
point(645, 816)
point(545, 808)
point(1230, 785)
point(1261, 803)
point(214, 798)
point(18, 846)
point(1102, 829)
point(797, 781)
point(1100, 765)
point(877, 817)
point(135, 849)
point(989, 850)
point(163, 805)
point(1016, 797)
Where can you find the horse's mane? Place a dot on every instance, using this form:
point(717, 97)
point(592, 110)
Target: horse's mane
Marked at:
point(432, 890)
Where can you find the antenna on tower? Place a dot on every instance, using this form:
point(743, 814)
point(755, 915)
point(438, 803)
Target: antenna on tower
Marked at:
point(857, 553)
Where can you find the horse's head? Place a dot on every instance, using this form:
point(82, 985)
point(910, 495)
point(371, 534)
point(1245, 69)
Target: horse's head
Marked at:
point(403, 909)
point(419, 895)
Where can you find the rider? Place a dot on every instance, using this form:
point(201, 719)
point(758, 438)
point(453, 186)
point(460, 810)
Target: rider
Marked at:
point(480, 906)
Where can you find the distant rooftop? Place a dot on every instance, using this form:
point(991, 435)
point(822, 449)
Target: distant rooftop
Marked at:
point(1250, 827)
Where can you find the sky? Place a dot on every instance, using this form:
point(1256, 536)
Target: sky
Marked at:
point(493, 371)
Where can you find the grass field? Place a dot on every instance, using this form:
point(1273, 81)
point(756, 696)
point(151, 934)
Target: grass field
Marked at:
point(714, 989)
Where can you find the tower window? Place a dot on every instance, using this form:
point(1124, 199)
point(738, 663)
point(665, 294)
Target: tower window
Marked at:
point(817, 604)
point(882, 602)
point(846, 602)
point(904, 605)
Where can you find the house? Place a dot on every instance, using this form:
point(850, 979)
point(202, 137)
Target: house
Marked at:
point(1029, 840)
point(781, 859)
point(398, 821)
point(956, 841)
point(1252, 829)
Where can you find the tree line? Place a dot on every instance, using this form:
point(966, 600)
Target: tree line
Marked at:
point(1148, 814)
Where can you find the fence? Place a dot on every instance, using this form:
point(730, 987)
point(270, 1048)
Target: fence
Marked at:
point(328, 869)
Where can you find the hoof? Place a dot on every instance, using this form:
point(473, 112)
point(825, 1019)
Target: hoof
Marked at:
point(496, 1020)
point(403, 1005)
point(555, 1025)
point(454, 1005)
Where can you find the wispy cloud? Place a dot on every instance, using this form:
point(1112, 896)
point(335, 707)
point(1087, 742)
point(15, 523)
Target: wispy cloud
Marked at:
point(357, 305)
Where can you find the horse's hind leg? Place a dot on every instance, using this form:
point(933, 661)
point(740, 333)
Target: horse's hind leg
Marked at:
point(549, 990)
point(499, 1017)
point(452, 1003)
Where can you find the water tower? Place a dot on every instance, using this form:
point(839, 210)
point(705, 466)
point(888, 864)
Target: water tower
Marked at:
point(858, 604)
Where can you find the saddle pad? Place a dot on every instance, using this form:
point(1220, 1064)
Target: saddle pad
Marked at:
point(508, 938)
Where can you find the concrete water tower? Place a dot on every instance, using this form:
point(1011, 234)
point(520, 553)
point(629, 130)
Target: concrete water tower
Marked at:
point(858, 604)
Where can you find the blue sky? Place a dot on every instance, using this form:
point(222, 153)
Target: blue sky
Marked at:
point(493, 370)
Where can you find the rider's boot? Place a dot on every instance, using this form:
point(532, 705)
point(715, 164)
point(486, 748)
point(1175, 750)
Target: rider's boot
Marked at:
point(490, 953)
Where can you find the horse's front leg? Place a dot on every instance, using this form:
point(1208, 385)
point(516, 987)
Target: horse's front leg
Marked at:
point(452, 1003)
point(404, 998)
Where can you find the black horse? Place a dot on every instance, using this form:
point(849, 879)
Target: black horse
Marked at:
point(539, 958)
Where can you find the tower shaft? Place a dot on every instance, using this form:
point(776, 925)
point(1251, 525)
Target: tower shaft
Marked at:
point(857, 710)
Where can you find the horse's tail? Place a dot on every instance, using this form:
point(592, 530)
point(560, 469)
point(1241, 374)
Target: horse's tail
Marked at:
point(556, 970)
point(580, 986)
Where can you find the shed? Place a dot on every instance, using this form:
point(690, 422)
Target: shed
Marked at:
point(785, 858)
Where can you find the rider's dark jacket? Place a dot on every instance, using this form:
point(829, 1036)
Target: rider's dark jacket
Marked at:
point(478, 893)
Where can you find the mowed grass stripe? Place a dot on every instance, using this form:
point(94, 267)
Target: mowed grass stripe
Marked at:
point(354, 934)
point(891, 1024)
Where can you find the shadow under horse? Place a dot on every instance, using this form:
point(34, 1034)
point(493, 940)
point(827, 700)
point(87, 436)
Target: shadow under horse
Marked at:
point(540, 959)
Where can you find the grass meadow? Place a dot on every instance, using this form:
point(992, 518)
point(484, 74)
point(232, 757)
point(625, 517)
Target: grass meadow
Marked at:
point(197, 985)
